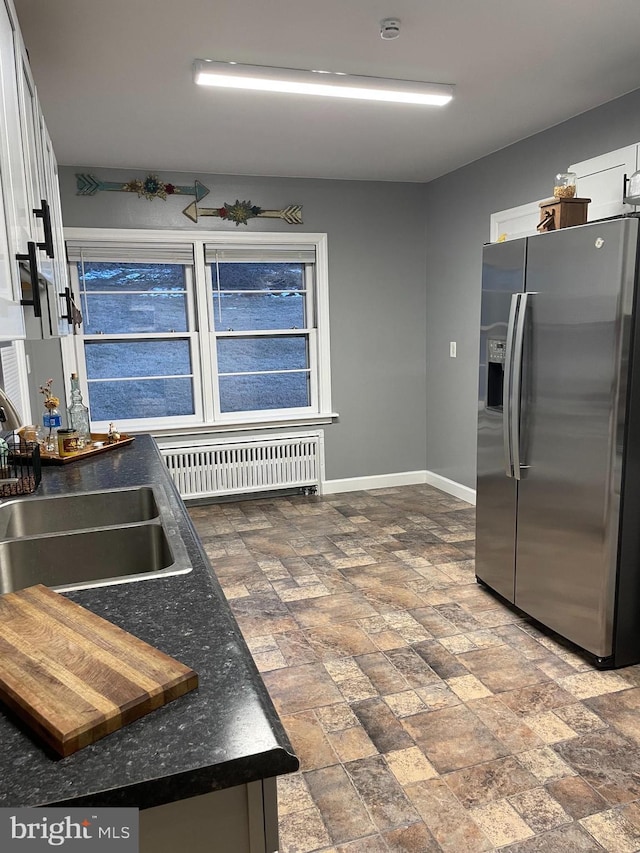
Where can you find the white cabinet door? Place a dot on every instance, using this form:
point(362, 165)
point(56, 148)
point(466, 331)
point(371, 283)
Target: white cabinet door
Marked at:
point(43, 196)
point(31, 145)
point(51, 192)
point(14, 212)
point(515, 222)
point(602, 180)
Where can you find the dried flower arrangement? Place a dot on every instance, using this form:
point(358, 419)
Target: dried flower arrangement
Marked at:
point(50, 401)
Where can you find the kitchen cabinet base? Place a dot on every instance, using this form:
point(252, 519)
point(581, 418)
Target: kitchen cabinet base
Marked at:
point(242, 819)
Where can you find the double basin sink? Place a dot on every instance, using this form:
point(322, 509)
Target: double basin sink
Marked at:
point(89, 539)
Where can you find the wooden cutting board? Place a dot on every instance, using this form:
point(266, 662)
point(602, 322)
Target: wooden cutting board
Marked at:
point(74, 677)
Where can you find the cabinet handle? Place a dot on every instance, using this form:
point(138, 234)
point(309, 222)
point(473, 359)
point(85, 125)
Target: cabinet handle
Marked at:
point(73, 315)
point(44, 212)
point(67, 296)
point(32, 258)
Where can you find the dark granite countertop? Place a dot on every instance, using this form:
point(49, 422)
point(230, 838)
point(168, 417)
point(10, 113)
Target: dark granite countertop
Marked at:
point(225, 733)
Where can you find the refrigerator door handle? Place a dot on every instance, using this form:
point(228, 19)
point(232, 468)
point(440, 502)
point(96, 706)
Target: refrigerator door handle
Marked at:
point(514, 417)
point(507, 399)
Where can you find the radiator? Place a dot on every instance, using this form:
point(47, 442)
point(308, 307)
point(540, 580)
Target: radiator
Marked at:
point(243, 466)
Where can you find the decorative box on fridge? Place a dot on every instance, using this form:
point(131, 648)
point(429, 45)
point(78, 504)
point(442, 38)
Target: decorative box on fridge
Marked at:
point(562, 213)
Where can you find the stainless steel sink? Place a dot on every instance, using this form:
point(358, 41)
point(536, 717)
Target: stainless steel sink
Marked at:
point(90, 539)
point(34, 516)
point(90, 558)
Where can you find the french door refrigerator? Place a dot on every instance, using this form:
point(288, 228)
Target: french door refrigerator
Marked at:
point(558, 492)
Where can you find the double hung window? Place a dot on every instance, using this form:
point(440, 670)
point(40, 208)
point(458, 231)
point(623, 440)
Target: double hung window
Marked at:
point(181, 333)
point(263, 326)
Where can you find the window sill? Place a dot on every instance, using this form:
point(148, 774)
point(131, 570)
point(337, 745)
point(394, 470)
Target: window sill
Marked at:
point(239, 426)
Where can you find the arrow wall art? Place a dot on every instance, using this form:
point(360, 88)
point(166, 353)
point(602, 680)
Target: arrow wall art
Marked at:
point(241, 212)
point(152, 187)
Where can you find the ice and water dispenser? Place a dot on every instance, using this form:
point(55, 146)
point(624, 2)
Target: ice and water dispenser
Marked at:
point(495, 372)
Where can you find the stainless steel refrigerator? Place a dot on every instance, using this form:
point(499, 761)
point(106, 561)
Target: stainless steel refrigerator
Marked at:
point(558, 493)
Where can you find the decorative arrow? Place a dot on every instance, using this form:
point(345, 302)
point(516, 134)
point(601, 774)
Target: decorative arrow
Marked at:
point(242, 211)
point(151, 187)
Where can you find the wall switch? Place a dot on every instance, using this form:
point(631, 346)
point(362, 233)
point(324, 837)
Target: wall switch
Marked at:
point(452, 349)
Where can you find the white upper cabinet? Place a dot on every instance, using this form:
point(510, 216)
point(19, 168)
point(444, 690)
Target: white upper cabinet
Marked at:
point(41, 171)
point(515, 222)
point(14, 225)
point(602, 180)
point(33, 275)
point(59, 292)
point(16, 193)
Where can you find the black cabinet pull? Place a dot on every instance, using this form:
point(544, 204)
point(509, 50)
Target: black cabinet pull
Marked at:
point(32, 258)
point(44, 212)
point(73, 315)
point(67, 296)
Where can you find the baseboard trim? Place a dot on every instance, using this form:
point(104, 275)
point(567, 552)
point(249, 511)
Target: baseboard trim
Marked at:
point(451, 487)
point(377, 481)
point(403, 478)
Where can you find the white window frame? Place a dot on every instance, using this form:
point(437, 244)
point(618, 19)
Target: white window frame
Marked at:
point(191, 335)
point(207, 417)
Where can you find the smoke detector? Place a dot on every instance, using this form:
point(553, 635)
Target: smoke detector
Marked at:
point(389, 28)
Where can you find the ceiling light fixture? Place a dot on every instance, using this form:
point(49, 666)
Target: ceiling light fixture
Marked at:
point(329, 84)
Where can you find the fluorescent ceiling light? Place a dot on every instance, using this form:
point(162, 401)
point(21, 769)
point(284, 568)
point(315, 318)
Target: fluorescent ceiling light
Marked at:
point(232, 75)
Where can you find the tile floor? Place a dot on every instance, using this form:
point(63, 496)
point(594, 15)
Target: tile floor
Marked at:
point(426, 715)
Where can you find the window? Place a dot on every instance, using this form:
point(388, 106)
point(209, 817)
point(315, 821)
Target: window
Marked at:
point(192, 332)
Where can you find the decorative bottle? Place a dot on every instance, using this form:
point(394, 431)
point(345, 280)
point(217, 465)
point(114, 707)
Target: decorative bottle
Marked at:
point(79, 414)
point(51, 421)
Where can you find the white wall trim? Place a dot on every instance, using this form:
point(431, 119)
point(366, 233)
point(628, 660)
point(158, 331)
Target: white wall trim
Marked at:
point(403, 478)
point(376, 481)
point(465, 493)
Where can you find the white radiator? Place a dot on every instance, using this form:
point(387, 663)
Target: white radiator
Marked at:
point(242, 466)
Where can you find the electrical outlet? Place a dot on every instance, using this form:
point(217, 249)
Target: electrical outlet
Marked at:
point(452, 349)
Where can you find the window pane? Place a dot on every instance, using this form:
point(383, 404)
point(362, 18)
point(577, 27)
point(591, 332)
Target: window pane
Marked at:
point(270, 391)
point(116, 359)
point(127, 313)
point(245, 311)
point(117, 277)
point(140, 398)
point(265, 276)
point(161, 308)
point(244, 355)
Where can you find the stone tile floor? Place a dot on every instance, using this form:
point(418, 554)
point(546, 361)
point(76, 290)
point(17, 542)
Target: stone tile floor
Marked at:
point(425, 714)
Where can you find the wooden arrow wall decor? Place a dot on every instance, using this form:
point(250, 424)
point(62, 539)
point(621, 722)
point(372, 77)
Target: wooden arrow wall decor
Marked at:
point(241, 212)
point(151, 187)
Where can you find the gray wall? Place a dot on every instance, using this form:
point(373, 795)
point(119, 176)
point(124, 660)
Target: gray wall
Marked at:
point(385, 241)
point(376, 294)
point(458, 208)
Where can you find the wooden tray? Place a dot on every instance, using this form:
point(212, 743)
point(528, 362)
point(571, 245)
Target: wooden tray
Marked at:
point(74, 677)
point(54, 459)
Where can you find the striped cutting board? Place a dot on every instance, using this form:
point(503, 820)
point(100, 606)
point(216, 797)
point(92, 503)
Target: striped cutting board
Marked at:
point(74, 677)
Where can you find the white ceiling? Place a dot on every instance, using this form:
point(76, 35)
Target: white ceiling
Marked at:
point(115, 80)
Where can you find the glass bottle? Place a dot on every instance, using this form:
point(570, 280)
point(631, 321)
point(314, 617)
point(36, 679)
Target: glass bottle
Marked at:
point(51, 421)
point(565, 185)
point(79, 413)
